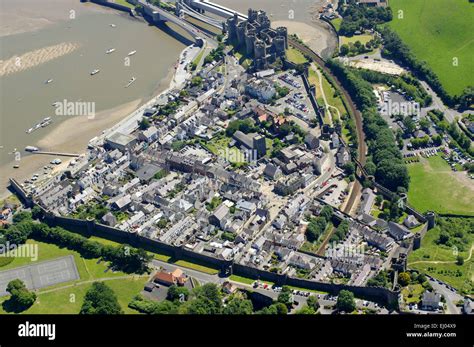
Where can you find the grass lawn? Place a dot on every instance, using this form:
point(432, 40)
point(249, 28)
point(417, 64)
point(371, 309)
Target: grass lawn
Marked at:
point(438, 31)
point(362, 38)
point(123, 3)
point(197, 267)
point(56, 299)
point(432, 259)
point(69, 300)
point(412, 293)
point(219, 145)
point(295, 56)
point(241, 279)
point(433, 186)
point(333, 100)
point(337, 23)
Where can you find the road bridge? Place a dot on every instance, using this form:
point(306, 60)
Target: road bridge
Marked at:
point(208, 6)
point(158, 14)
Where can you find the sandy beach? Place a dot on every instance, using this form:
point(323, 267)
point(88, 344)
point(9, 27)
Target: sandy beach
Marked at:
point(35, 58)
point(70, 136)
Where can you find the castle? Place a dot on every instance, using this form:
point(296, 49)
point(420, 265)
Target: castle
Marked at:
point(262, 43)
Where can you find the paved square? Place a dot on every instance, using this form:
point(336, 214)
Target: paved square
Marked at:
point(44, 274)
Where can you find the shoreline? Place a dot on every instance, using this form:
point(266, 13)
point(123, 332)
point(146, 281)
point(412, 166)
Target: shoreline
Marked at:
point(103, 124)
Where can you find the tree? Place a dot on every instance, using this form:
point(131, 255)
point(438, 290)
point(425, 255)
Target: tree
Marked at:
point(21, 216)
point(306, 309)
point(144, 124)
point(100, 299)
point(21, 298)
point(345, 301)
point(238, 305)
point(313, 302)
point(277, 308)
point(349, 168)
point(344, 50)
point(459, 260)
point(286, 296)
point(177, 293)
point(326, 212)
point(208, 300)
point(404, 278)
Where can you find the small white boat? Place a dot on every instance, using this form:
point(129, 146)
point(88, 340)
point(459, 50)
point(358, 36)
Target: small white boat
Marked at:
point(133, 79)
point(16, 166)
point(110, 51)
point(31, 149)
point(48, 81)
point(30, 130)
point(132, 53)
point(95, 72)
point(112, 25)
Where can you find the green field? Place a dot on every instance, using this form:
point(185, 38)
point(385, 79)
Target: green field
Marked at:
point(434, 187)
point(67, 297)
point(295, 56)
point(362, 38)
point(439, 261)
point(437, 31)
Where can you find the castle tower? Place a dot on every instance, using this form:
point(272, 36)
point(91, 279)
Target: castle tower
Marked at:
point(430, 217)
point(260, 145)
point(417, 241)
point(283, 32)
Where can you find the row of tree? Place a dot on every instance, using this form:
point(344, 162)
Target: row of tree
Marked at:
point(123, 257)
point(385, 161)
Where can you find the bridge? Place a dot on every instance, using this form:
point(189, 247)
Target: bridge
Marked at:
point(158, 14)
point(208, 6)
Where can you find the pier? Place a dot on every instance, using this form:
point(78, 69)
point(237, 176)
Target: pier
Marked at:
point(59, 154)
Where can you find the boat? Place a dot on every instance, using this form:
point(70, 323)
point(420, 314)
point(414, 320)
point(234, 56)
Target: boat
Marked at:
point(31, 149)
point(16, 166)
point(133, 79)
point(48, 81)
point(30, 130)
point(132, 53)
point(109, 50)
point(112, 25)
point(95, 72)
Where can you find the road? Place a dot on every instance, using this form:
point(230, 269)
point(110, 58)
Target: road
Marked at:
point(449, 113)
point(451, 296)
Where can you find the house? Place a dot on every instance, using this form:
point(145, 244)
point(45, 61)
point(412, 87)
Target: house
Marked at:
point(410, 221)
point(109, 219)
point(342, 157)
point(373, 3)
point(166, 278)
point(228, 287)
point(430, 301)
point(122, 203)
point(149, 135)
point(468, 306)
point(219, 217)
point(311, 141)
point(335, 141)
point(120, 141)
point(397, 231)
point(368, 199)
point(251, 142)
point(279, 222)
point(272, 171)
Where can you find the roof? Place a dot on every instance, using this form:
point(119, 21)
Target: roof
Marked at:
point(221, 212)
point(121, 139)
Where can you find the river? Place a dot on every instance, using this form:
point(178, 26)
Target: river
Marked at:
point(64, 41)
